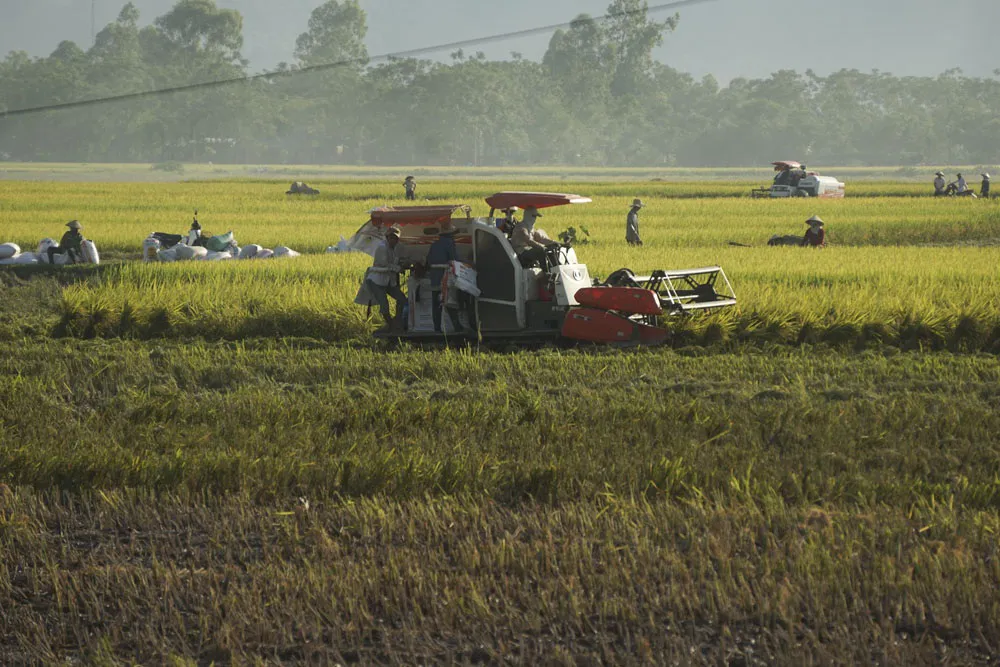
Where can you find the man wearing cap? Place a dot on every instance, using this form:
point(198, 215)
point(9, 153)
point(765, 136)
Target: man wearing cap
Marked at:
point(632, 224)
point(939, 184)
point(382, 278)
point(70, 243)
point(959, 186)
point(530, 243)
point(441, 253)
point(410, 184)
point(815, 236)
point(984, 189)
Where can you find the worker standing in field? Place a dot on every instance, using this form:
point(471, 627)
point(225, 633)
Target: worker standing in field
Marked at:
point(815, 236)
point(410, 185)
point(984, 189)
point(632, 224)
point(382, 279)
point(939, 184)
point(530, 243)
point(439, 256)
point(70, 244)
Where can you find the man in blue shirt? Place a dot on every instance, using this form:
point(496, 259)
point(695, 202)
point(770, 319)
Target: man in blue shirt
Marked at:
point(440, 255)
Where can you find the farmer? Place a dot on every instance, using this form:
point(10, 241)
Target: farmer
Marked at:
point(382, 279)
point(530, 243)
point(815, 236)
point(939, 184)
point(410, 185)
point(69, 244)
point(441, 253)
point(959, 186)
point(195, 232)
point(507, 223)
point(984, 189)
point(300, 188)
point(632, 224)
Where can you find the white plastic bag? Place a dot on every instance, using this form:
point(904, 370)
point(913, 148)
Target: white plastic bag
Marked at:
point(217, 256)
point(250, 251)
point(150, 247)
point(282, 251)
point(186, 252)
point(265, 253)
point(23, 258)
point(8, 250)
point(89, 251)
point(43, 249)
point(167, 254)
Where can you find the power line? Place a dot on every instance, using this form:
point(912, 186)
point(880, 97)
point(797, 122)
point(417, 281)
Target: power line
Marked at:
point(343, 63)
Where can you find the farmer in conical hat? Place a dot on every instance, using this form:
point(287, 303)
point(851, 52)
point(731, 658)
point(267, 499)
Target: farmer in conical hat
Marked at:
point(69, 244)
point(815, 236)
point(984, 188)
point(939, 184)
point(410, 184)
point(632, 223)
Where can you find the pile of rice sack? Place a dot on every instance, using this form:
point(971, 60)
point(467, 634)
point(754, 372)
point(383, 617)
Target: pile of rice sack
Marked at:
point(216, 248)
point(10, 253)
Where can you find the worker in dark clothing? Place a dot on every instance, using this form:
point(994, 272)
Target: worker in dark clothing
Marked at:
point(70, 244)
point(410, 184)
point(984, 189)
point(439, 257)
point(632, 224)
point(815, 236)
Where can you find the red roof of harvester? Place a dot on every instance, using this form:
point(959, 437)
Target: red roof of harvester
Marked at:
point(504, 200)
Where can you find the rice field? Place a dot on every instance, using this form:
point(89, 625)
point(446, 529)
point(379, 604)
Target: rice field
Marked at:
point(213, 463)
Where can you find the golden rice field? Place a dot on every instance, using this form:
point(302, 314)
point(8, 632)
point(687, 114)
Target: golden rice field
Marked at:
point(892, 261)
point(213, 463)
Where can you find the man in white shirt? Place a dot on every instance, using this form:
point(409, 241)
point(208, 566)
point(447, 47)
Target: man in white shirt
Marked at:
point(939, 184)
point(382, 278)
point(960, 185)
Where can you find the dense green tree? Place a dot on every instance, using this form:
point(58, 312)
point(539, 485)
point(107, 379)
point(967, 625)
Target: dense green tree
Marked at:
point(598, 97)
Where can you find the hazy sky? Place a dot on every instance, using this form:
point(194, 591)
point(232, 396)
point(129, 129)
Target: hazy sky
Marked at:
point(727, 38)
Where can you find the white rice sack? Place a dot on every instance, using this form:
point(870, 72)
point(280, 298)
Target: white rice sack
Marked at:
point(149, 249)
point(250, 251)
point(186, 252)
point(8, 250)
point(167, 254)
point(265, 253)
point(43, 248)
point(23, 258)
point(89, 250)
point(282, 251)
point(217, 256)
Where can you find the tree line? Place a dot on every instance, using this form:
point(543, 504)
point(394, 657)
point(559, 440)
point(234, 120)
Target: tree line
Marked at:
point(598, 97)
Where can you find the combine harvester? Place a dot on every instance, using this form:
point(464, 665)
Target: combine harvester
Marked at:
point(792, 180)
point(561, 301)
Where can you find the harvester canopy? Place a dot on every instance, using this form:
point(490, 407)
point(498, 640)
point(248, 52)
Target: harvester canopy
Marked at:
point(781, 165)
point(504, 200)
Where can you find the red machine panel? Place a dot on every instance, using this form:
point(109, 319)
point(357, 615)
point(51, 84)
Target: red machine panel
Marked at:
point(597, 326)
point(632, 300)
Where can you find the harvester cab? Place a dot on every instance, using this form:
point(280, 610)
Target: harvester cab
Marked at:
point(792, 179)
point(560, 301)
